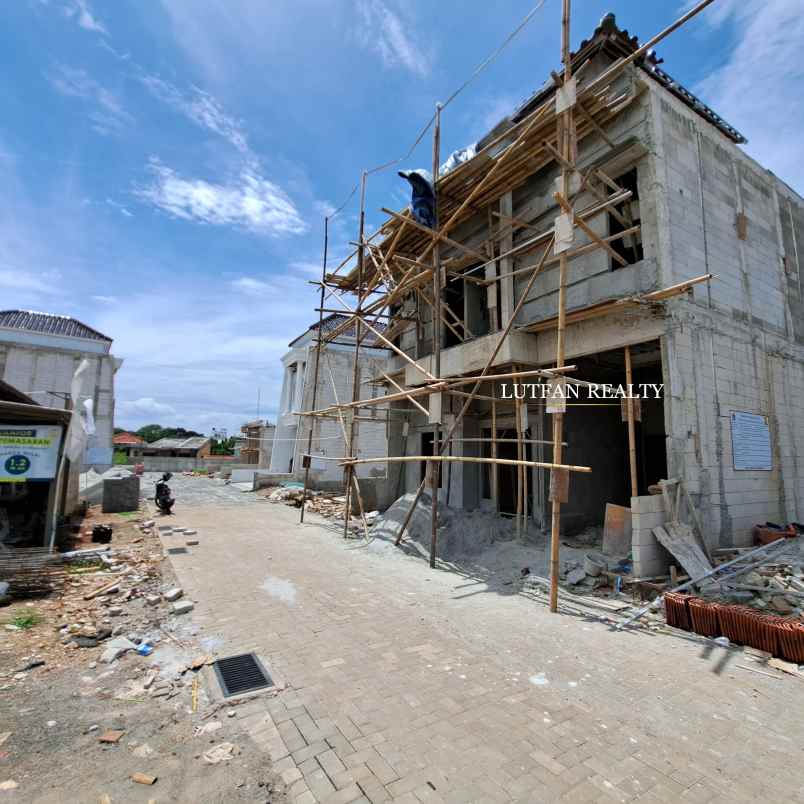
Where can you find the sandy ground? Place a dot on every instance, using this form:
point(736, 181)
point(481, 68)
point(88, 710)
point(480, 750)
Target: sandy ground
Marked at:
point(52, 716)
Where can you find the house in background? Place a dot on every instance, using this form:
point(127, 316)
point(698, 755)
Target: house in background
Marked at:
point(193, 447)
point(334, 385)
point(256, 444)
point(125, 442)
point(39, 354)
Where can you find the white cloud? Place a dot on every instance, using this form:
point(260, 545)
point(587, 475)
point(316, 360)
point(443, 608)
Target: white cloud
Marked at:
point(324, 208)
point(120, 208)
point(383, 32)
point(254, 287)
point(79, 10)
point(758, 88)
point(207, 353)
point(106, 113)
point(13, 279)
point(248, 200)
point(105, 299)
point(201, 108)
point(145, 406)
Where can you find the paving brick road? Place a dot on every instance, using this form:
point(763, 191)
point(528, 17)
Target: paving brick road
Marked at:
point(412, 685)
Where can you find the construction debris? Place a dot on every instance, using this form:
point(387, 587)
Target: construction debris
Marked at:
point(327, 504)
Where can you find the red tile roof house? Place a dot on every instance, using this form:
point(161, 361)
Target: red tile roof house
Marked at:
point(123, 442)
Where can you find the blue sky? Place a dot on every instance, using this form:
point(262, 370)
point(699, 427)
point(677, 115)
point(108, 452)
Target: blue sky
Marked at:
point(165, 165)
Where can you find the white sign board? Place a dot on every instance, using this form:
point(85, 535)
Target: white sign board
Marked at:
point(750, 442)
point(29, 452)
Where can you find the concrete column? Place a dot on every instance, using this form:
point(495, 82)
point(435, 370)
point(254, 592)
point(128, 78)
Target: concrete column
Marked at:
point(506, 283)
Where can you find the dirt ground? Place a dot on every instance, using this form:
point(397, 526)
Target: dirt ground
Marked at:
point(53, 715)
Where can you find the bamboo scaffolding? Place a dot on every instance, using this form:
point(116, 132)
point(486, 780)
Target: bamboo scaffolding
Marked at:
point(411, 256)
point(342, 424)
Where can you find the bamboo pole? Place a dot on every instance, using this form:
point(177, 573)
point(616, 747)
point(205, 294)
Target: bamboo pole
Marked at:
point(317, 366)
point(410, 510)
point(356, 369)
point(519, 455)
point(565, 128)
point(495, 473)
point(617, 67)
point(342, 424)
point(410, 399)
point(629, 403)
point(525, 469)
point(464, 459)
point(434, 466)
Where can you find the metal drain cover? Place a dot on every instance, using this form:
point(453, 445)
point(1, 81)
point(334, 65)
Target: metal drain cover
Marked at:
point(243, 673)
point(174, 550)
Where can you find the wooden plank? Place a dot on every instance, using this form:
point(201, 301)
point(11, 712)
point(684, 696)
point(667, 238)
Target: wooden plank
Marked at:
point(617, 531)
point(679, 540)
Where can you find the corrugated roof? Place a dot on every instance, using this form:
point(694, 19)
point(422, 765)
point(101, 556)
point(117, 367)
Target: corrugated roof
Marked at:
point(49, 324)
point(194, 442)
point(333, 321)
point(8, 393)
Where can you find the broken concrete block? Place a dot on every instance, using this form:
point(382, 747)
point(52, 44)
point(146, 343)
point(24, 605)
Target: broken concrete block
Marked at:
point(575, 576)
point(116, 648)
point(754, 579)
point(173, 594)
point(779, 602)
point(182, 607)
point(152, 600)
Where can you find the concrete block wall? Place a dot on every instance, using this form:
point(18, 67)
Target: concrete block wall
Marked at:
point(713, 369)
point(735, 345)
point(121, 494)
point(650, 558)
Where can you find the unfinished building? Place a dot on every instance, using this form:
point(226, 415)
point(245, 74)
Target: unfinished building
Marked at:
point(666, 257)
point(325, 439)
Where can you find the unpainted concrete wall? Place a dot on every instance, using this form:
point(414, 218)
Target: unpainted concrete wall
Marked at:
point(735, 345)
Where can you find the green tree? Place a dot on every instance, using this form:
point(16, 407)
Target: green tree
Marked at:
point(153, 432)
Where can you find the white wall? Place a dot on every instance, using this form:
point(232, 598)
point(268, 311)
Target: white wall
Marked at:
point(45, 374)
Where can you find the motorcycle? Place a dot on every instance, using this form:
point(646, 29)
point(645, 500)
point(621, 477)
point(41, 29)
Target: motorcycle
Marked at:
point(163, 498)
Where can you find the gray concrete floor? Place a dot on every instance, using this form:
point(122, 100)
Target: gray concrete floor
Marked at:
point(193, 491)
point(414, 685)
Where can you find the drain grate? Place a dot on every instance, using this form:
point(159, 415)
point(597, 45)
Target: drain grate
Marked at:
point(174, 550)
point(243, 673)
